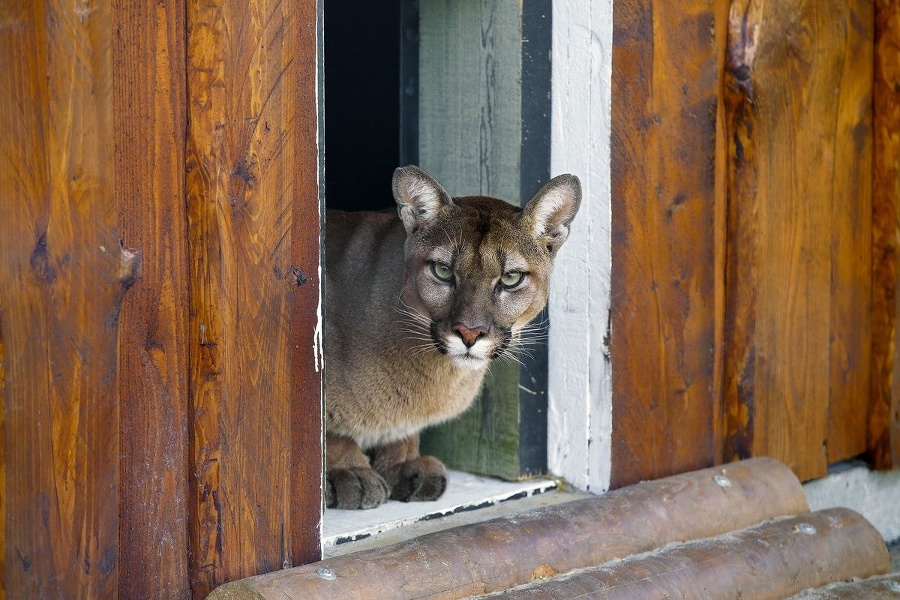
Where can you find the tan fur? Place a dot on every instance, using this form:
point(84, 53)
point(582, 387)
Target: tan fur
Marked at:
point(397, 335)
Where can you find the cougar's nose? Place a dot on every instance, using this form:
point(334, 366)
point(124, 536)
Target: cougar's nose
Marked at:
point(469, 335)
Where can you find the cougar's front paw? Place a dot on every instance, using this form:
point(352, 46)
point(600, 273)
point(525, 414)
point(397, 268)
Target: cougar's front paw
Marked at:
point(423, 478)
point(357, 487)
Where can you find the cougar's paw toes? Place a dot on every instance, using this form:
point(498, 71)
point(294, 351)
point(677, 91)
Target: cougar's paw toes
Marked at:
point(423, 478)
point(355, 488)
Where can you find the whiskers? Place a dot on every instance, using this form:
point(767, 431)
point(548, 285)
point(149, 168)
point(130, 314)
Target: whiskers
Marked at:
point(416, 327)
point(523, 342)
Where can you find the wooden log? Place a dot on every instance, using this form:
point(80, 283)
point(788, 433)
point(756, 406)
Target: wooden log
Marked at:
point(884, 412)
point(883, 587)
point(769, 561)
point(501, 553)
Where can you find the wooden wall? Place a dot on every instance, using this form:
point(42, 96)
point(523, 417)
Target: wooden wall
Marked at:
point(159, 363)
point(753, 289)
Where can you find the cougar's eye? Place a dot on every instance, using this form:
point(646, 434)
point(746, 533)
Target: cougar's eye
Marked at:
point(442, 271)
point(511, 279)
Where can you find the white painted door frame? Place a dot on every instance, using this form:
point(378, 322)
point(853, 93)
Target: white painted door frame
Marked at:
point(580, 371)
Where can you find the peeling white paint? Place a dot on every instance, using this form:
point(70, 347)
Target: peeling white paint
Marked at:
point(318, 351)
point(580, 373)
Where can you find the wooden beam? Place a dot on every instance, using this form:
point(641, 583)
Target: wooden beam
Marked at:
point(884, 414)
point(253, 214)
point(767, 562)
point(64, 276)
point(497, 554)
point(799, 224)
point(307, 453)
point(665, 90)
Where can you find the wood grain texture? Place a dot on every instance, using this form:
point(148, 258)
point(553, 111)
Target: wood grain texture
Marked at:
point(63, 277)
point(149, 113)
point(470, 99)
point(798, 231)
point(307, 358)
point(500, 553)
point(663, 323)
point(850, 346)
point(251, 118)
point(884, 416)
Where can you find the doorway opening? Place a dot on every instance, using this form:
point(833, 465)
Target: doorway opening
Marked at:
point(461, 90)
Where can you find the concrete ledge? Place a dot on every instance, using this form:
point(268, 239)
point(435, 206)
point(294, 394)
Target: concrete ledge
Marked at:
point(873, 494)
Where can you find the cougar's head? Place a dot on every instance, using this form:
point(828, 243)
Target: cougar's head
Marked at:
point(478, 268)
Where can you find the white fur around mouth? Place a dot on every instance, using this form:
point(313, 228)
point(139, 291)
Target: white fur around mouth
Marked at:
point(467, 361)
point(470, 358)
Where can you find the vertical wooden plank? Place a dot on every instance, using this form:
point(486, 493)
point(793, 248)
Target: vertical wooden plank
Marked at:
point(664, 98)
point(851, 248)
point(149, 120)
point(307, 466)
point(884, 416)
point(63, 277)
point(251, 118)
point(790, 254)
point(470, 95)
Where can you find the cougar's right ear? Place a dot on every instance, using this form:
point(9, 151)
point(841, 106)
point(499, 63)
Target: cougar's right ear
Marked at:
point(419, 197)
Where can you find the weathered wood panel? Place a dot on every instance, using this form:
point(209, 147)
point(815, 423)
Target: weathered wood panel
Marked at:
point(884, 416)
point(149, 114)
point(252, 211)
point(663, 323)
point(307, 465)
point(470, 102)
point(63, 277)
point(850, 344)
point(797, 318)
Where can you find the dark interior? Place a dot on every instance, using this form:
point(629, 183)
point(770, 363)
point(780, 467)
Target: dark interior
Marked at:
point(362, 102)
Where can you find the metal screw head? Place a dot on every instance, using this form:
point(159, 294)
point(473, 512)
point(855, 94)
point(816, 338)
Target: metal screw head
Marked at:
point(722, 481)
point(326, 574)
point(806, 528)
point(894, 586)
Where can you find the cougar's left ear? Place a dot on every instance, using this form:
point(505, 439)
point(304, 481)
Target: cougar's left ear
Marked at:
point(419, 197)
point(548, 215)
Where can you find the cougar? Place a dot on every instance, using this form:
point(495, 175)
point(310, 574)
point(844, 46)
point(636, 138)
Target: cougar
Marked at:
point(416, 309)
